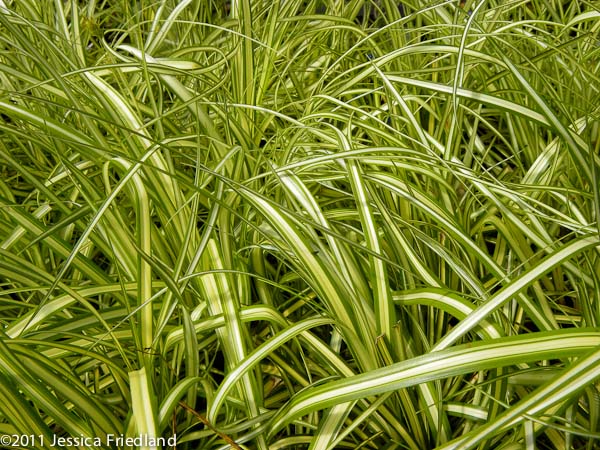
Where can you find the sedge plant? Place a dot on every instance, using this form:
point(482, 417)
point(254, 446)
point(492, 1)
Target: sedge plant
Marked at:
point(301, 224)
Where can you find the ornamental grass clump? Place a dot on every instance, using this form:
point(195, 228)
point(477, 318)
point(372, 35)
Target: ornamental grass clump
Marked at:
point(320, 225)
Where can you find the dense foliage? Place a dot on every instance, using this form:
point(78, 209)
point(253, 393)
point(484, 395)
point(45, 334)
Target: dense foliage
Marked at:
point(301, 224)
